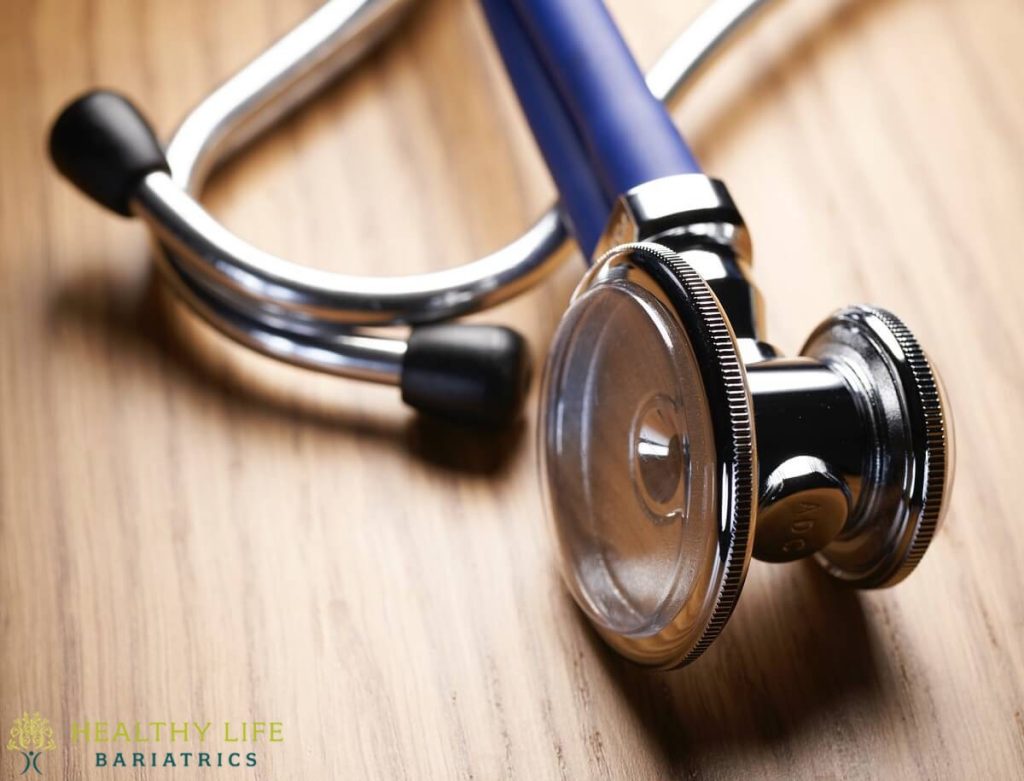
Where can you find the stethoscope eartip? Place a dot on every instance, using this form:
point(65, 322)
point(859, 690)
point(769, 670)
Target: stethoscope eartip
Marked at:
point(105, 147)
point(477, 374)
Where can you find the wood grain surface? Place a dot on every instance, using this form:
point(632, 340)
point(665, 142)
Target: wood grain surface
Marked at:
point(191, 532)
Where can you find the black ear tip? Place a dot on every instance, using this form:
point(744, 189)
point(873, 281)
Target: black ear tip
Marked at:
point(104, 146)
point(472, 373)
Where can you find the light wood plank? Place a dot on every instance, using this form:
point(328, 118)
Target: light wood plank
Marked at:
point(191, 532)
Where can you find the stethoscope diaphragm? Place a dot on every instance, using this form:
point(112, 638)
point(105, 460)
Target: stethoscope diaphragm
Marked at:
point(647, 455)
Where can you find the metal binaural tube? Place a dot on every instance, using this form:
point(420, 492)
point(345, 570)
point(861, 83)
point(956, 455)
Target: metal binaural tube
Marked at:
point(322, 47)
point(316, 307)
point(204, 249)
point(230, 116)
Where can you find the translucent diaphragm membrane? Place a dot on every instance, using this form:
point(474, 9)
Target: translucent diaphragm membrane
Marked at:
point(628, 461)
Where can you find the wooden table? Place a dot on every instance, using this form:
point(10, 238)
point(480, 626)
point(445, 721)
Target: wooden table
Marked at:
point(190, 532)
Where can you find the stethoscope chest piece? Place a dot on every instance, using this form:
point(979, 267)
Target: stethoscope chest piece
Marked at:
point(676, 444)
point(647, 455)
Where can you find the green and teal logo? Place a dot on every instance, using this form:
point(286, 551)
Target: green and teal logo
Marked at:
point(31, 736)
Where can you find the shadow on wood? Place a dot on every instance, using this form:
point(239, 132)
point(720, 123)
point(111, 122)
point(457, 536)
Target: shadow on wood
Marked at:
point(154, 330)
point(791, 657)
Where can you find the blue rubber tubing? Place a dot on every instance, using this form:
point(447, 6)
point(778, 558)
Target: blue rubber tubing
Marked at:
point(583, 199)
point(629, 135)
point(587, 104)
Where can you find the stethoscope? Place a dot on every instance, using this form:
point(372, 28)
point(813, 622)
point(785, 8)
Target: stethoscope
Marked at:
point(670, 429)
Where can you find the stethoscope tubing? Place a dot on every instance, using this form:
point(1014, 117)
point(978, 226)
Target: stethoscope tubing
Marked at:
point(628, 136)
point(305, 316)
point(582, 195)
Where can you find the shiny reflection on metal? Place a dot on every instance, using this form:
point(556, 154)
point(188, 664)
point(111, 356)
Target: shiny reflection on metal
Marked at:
point(240, 284)
point(807, 418)
point(322, 47)
point(909, 463)
point(804, 505)
point(694, 214)
point(840, 412)
point(205, 249)
point(661, 454)
point(854, 444)
point(861, 413)
point(672, 281)
point(376, 359)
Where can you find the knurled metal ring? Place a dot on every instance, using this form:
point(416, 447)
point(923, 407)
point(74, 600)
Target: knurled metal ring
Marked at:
point(691, 300)
point(903, 499)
